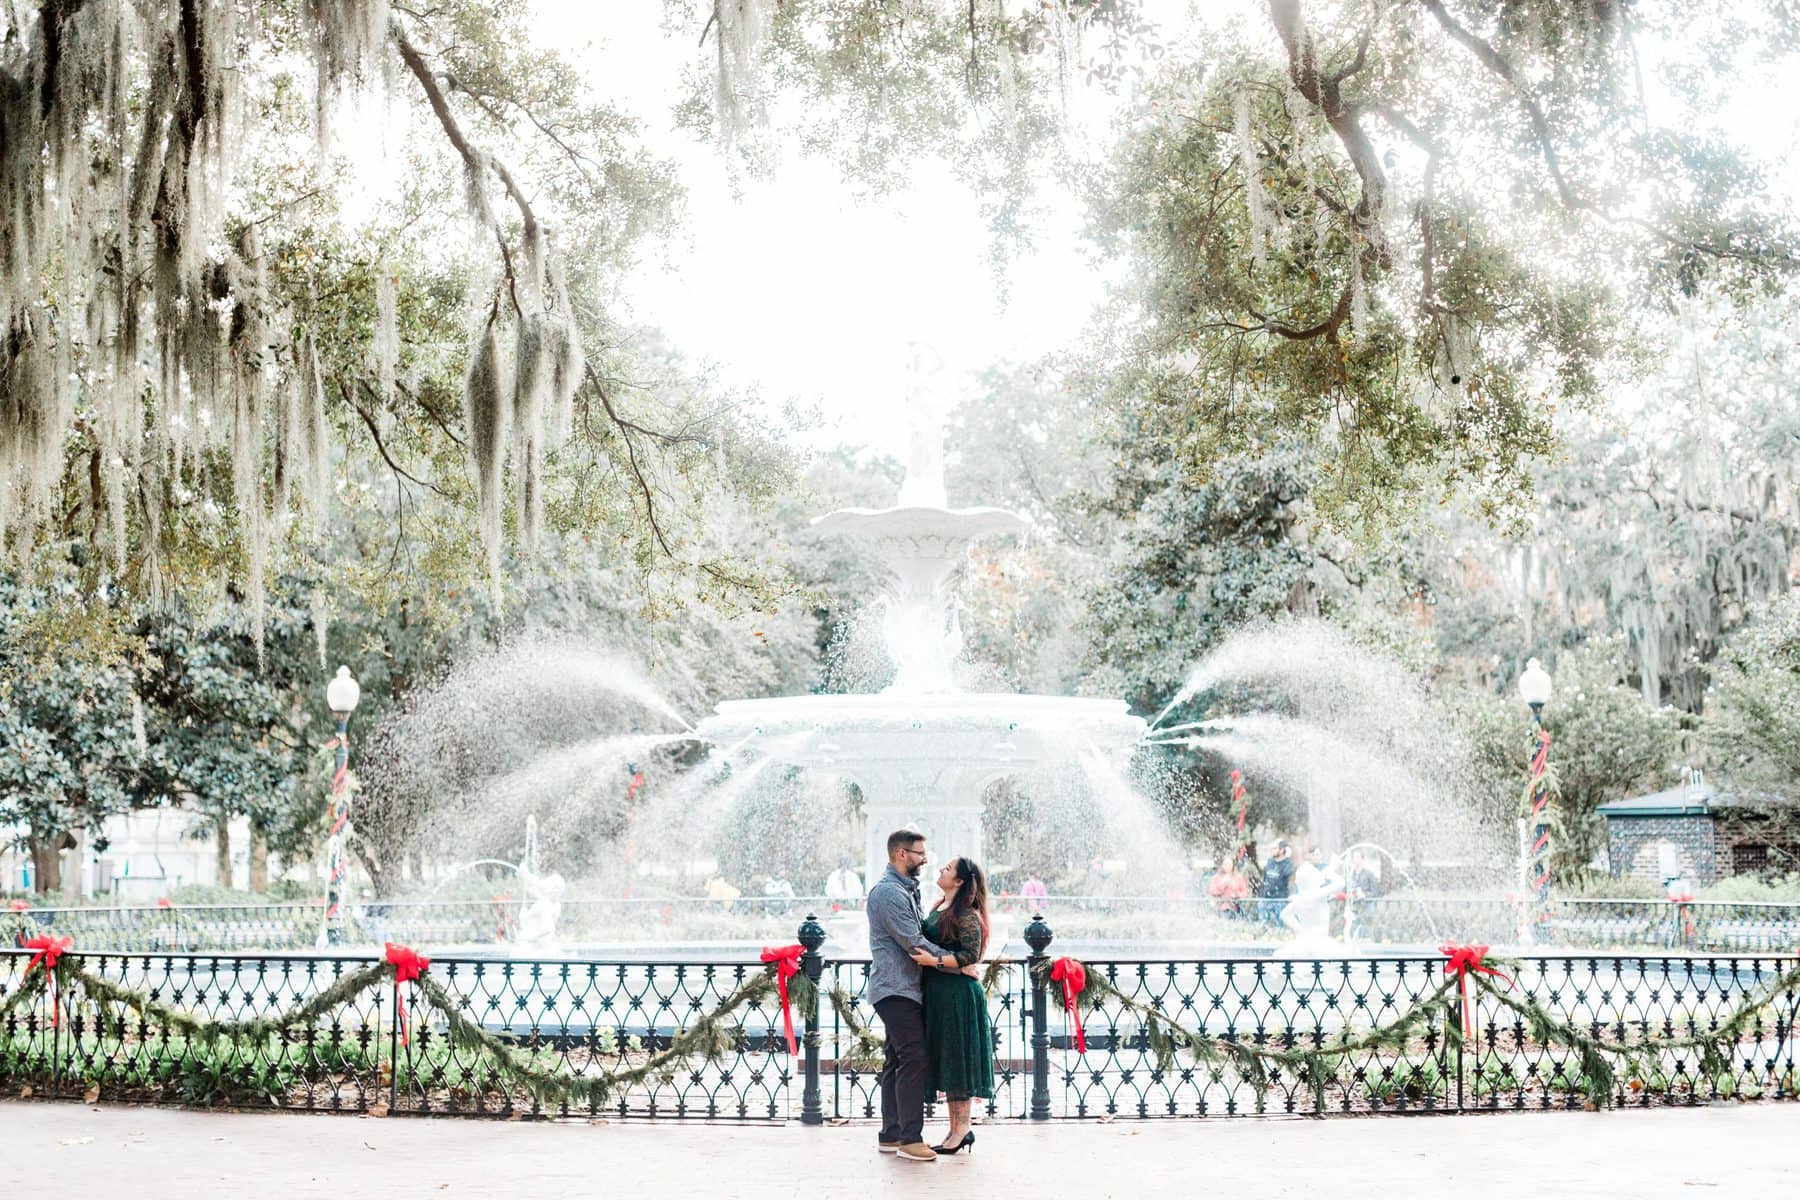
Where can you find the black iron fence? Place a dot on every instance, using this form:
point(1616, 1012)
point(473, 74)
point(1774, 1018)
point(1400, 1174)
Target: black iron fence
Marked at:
point(577, 1020)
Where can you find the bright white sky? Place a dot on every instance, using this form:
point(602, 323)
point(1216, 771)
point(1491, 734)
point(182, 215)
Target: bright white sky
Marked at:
point(796, 290)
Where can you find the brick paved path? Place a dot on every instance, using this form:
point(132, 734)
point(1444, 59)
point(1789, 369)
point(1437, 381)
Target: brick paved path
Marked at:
point(57, 1149)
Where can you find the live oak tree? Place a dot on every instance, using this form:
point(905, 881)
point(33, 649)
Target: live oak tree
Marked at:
point(1667, 519)
point(1752, 721)
point(189, 322)
point(1408, 232)
point(1403, 231)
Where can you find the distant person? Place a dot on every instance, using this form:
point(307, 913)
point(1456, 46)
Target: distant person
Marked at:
point(1228, 888)
point(1034, 891)
point(1365, 883)
point(720, 889)
point(777, 887)
point(843, 887)
point(1278, 881)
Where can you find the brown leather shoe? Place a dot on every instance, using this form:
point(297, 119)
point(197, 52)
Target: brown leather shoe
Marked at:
point(916, 1152)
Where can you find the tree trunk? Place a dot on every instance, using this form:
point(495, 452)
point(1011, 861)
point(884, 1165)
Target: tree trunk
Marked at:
point(379, 877)
point(259, 860)
point(46, 862)
point(222, 845)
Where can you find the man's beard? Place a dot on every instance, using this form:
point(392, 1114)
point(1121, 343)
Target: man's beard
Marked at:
point(913, 869)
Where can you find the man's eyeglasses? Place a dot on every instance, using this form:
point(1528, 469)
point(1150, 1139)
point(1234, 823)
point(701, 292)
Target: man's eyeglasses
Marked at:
point(910, 850)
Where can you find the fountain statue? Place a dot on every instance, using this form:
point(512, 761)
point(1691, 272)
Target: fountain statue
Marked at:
point(922, 751)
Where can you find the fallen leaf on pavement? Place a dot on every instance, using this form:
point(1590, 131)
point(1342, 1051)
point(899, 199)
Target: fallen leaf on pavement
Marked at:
point(91, 1095)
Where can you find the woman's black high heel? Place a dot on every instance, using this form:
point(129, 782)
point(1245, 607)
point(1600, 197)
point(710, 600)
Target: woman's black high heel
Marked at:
point(968, 1140)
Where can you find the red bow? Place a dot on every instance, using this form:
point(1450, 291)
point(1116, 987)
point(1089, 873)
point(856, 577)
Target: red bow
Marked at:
point(165, 902)
point(787, 964)
point(1464, 959)
point(408, 965)
point(1073, 976)
point(49, 949)
point(19, 906)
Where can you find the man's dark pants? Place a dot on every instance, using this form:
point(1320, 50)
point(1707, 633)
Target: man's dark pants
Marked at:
point(902, 1070)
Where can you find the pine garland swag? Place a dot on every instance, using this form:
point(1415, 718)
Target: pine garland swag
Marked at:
point(1166, 1037)
point(708, 1037)
point(867, 1050)
point(711, 1036)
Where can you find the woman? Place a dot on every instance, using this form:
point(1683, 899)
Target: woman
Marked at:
point(959, 1038)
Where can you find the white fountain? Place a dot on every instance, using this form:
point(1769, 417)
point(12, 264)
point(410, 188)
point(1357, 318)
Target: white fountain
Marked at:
point(923, 752)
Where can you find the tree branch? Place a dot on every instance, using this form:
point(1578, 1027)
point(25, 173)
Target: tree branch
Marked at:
point(434, 94)
point(381, 446)
point(1325, 94)
point(1496, 63)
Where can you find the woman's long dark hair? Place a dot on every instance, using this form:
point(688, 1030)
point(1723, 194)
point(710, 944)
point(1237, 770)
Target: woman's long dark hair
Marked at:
point(971, 896)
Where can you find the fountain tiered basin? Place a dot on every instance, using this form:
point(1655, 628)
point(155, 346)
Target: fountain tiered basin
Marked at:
point(925, 761)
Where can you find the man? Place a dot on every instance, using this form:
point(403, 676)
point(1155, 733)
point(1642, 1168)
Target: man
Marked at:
point(843, 886)
point(1278, 874)
point(898, 996)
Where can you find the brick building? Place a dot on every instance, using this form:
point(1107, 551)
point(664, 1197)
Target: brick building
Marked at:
point(1701, 834)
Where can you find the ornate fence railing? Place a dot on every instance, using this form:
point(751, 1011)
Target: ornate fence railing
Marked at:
point(1401, 920)
point(486, 1035)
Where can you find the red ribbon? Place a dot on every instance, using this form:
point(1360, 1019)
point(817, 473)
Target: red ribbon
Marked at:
point(408, 965)
point(787, 965)
point(49, 949)
point(19, 906)
point(165, 902)
point(1073, 976)
point(1464, 959)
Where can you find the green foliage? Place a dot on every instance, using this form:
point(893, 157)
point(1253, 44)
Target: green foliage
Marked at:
point(1753, 712)
point(1751, 889)
point(1667, 518)
point(1607, 744)
point(1321, 253)
point(212, 1061)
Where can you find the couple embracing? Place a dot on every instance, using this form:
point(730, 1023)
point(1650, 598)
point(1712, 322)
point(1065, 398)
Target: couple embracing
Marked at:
point(923, 983)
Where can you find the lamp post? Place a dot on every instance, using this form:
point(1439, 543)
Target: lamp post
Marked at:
point(1534, 689)
point(341, 694)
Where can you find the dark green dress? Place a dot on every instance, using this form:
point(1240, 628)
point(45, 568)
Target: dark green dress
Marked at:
point(959, 1038)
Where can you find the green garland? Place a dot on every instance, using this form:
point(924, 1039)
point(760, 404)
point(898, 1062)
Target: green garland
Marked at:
point(1314, 1065)
point(1597, 1053)
point(1167, 1037)
point(104, 991)
point(867, 1051)
point(29, 989)
point(709, 1037)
